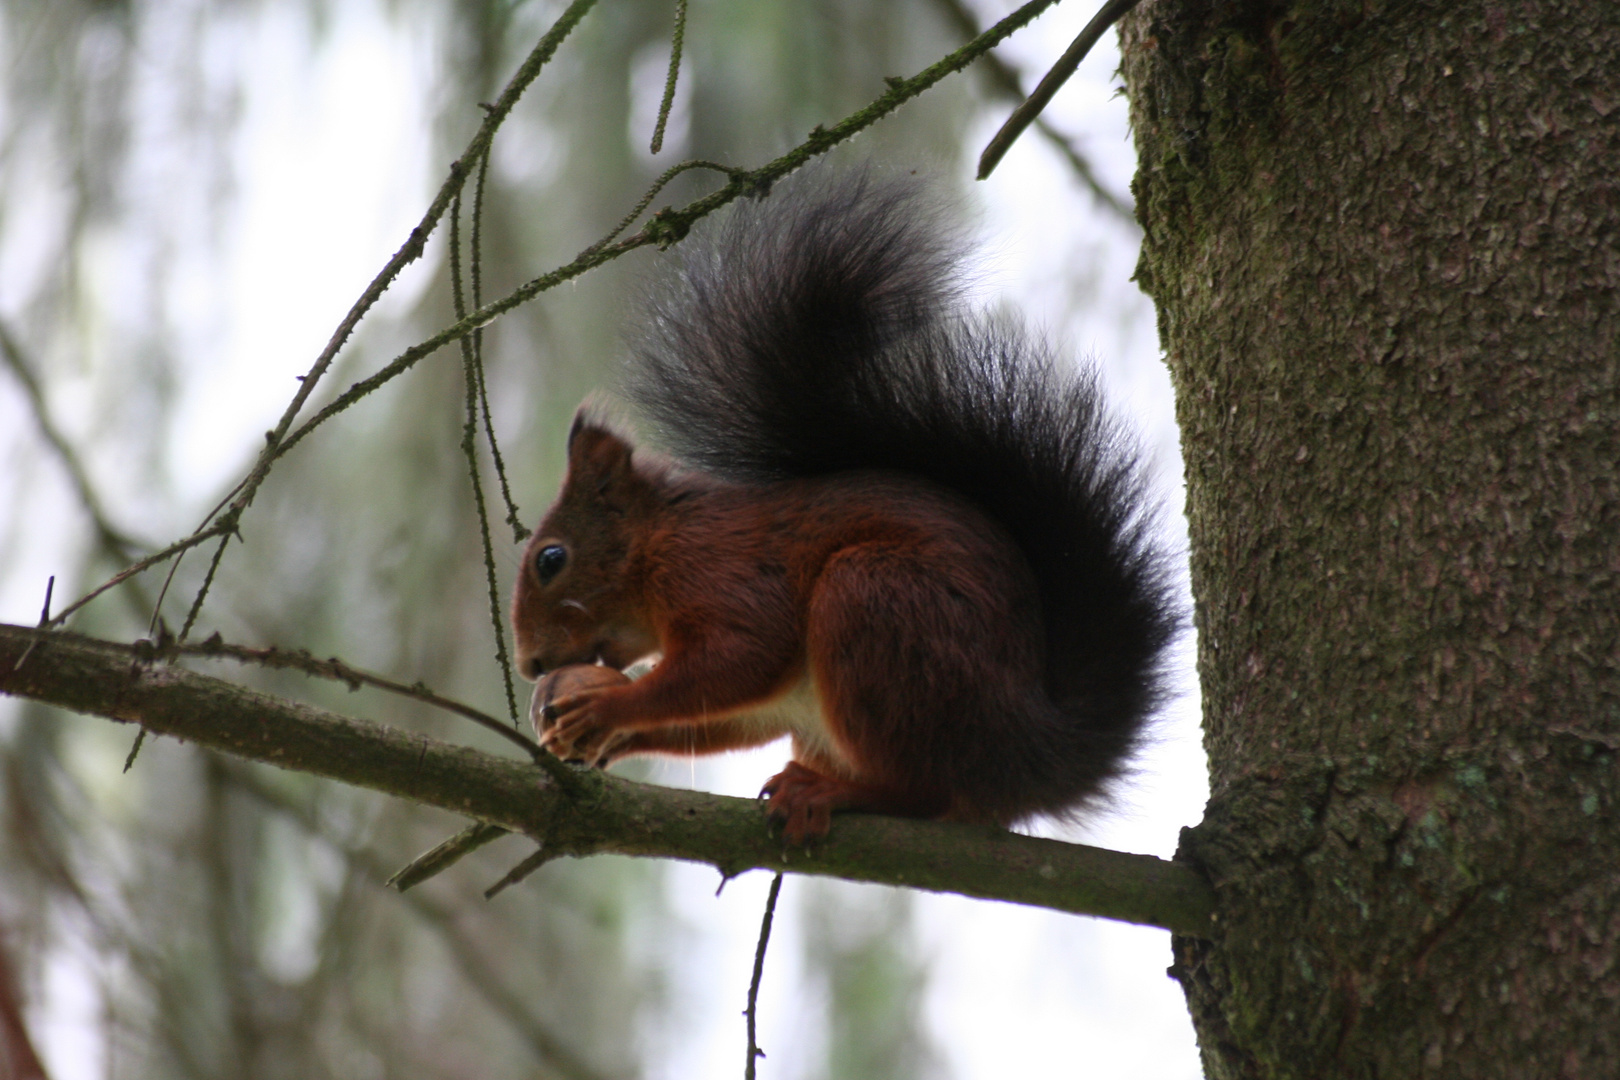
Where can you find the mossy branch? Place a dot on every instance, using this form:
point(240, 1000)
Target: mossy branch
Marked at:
point(606, 814)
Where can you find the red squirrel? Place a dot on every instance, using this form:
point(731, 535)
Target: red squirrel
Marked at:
point(905, 534)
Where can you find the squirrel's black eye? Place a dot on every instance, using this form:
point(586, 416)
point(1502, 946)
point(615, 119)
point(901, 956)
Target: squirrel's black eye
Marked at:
point(549, 561)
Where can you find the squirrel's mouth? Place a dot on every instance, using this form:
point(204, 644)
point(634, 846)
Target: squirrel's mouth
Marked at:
point(616, 655)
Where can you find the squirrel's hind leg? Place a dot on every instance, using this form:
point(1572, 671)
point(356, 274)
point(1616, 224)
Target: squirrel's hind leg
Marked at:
point(922, 674)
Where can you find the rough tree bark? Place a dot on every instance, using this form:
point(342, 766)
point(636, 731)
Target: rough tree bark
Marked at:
point(1382, 237)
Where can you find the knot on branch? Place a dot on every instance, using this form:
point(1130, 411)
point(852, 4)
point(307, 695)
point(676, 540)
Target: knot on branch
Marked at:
point(668, 227)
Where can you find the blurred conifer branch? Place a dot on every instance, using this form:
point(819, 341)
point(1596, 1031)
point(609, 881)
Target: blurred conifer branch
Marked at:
point(118, 546)
point(483, 975)
point(18, 1059)
point(222, 520)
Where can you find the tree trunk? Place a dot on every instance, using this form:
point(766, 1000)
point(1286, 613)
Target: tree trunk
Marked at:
point(1383, 242)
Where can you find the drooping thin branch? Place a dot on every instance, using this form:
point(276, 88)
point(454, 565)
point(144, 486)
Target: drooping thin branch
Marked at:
point(676, 41)
point(607, 813)
point(1066, 65)
point(117, 544)
point(481, 975)
point(475, 261)
point(473, 377)
point(754, 1052)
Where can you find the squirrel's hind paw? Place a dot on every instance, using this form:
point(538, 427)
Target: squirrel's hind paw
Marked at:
point(802, 801)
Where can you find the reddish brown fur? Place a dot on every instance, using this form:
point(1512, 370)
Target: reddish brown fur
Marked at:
point(915, 615)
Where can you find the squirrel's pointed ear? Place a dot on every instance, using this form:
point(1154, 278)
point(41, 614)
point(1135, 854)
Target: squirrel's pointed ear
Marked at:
point(597, 453)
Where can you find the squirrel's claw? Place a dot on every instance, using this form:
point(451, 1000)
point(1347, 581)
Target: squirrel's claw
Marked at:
point(802, 801)
point(577, 731)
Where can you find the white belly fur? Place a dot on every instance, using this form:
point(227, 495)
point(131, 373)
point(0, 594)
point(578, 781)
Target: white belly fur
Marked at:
point(796, 713)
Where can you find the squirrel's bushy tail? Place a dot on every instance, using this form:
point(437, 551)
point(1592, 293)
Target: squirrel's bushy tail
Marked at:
point(822, 331)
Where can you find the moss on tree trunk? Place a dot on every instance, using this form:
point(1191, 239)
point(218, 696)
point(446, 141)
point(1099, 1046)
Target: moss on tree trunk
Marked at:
point(1384, 241)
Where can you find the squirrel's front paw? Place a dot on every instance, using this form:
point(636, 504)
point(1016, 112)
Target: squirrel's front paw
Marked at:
point(568, 715)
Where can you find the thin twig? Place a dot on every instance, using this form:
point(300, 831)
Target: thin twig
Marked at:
point(220, 527)
point(442, 856)
point(338, 671)
point(522, 870)
point(1022, 116)
point(475, 261)
point(754, 1052)
point(1006, 81)
point(520, 531)
point(44, 622)
point(567, 777)
point(652, 193)
point(471, 370)
point(202, 590)
point(676, 41)
point(135, 749)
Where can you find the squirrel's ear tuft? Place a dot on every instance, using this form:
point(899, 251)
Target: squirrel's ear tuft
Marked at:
point(593, 419)
point(598, 454)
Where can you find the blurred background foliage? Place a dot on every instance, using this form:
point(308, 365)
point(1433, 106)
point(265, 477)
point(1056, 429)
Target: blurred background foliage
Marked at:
point(202, 917)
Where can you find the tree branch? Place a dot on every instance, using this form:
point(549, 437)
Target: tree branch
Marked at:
point(607, 814)
point(1006, 82)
